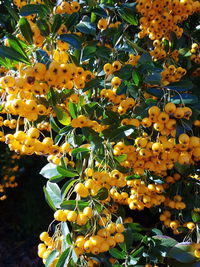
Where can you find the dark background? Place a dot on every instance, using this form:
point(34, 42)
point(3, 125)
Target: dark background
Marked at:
point(23, 216)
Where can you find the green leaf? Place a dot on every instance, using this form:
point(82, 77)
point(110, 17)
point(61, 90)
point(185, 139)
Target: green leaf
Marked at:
point(180, 86)
point(88, 52)
point(103, 52)
point(154, 78)
point(116, 253)
point(94, 83)
point(43, 26)
point(138, 252)
point(25, 30)
point(72, 110)
point(195, 216)
point(66, 187)
point(128, 13)
point(81, 150)
point(71, 20)
point(129, 237)
point(125, 72)
point(162, 244)
point(117, 134)
point(12, 12)
point(135, 227)
point(54, 125)
point(62, 116)
point(132, 177)
point(66, 172)
point(63, 257)
point(57, 21)
point(49, 171)
point(71, 39)
point(185, 52)
point(54, 193)
point(100, 12)
point(102, 194)
point(136, 77)
point(48, 199)
point(39, 9)
point(65, 130)
point(51, 257)
point(92, 137)
point(8, 52)
point(87, 27)
point(182, 169)
point(121, 158)
point(182, 252)
point(72, 204)
point(16, 45)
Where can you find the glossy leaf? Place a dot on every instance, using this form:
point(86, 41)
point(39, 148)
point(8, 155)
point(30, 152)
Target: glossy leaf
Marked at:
point(25, 29)
point(72, 204)
point(40, 9)
point(43, 26)
point(62, 116)
point(71, 39)
point(49, 171)
point(57, 21)
point(54, 193)
point(51, 258)
point(180, 86)
point(87, 27)
point(102, 194)
point(66, 172)
point(10, 53)
point(182, 252)
point(63, 257)
point(116, 253)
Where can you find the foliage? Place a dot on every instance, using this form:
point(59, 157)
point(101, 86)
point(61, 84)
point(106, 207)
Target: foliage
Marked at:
point(108, 92)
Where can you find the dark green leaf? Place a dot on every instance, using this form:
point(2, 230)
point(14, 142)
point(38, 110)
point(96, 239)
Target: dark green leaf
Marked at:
point(12, 12)
point(39, 9)
point(81, 150)
point(72, 110)
point(48, 199)
point(125, 72)
point(8, 52)
point(116, 253)
point(129, 237)
point(66, 187)
point(88, 52)
point(66, 172)
point(63, 257)
point(72, 204)
point(43, 26)
point(71, 39)
point(54, 125)
point(128, 13)
point(87, 27)
point(180, 86)
point(182, 252)
point(16, 45)
point(102, 194)
point(25, 29)
point(57, 21)
point(71, 20)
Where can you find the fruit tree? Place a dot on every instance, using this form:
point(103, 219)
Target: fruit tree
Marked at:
point(108, 92)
